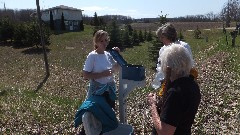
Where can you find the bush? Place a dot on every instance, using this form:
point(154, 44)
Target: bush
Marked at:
point(197, 34)
point(28, 34)
point(19, 34)
point(33, 34)
point(6, 29)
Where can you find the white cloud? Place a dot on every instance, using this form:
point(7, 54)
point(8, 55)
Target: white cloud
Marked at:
point(97, 8)
point(113, 11)
point(131, 11)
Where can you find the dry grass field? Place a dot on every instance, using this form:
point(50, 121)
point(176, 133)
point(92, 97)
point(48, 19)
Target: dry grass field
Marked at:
point(51, 109)
point(182, 26)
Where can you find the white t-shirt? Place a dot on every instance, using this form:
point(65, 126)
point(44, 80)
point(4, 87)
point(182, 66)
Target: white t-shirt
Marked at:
point(97, 63)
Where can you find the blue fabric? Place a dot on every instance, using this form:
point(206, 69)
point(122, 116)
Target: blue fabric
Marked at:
point(101, 88)
point(98, 106)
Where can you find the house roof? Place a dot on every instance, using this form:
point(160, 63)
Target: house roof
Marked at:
point(63, 7)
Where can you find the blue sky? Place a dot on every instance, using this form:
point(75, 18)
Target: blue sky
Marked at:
point(132, 8)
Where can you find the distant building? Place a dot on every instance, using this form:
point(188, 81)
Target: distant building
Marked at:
point(72, 17)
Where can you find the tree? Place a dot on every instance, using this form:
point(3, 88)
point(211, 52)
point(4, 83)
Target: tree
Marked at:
point(102, 24)
point(6, 29)
point(126, 39)
point(43, 45)
point(149, 36)
point(129, 28)
point(95, 22)
point(135, 37)
point(145, 34)
point(163, 19)
point(19, 34)
point(51, 21)
point(140, 36)
point(180, 35)
point(62, 22)
point(197, 33)
point(230, 12)
point(114, 33)
point(81, 26)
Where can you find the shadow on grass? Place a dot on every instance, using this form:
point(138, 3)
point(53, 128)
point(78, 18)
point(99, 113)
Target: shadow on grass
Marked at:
point(59, 32)
point(34, 50)
point(5, 43)
point(40, 85)
point(3, 92)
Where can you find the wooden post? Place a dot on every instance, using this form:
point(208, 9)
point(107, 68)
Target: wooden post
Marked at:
point(43, 47)
point(42, 38)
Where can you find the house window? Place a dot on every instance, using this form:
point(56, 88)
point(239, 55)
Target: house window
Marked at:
point(55, 11)
point(75, 23)
point(71, 23)
point(66, 22)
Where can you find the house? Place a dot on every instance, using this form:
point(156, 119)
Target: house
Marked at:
point(72, 17)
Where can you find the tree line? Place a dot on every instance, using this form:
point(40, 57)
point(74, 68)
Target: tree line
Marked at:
point(15, 22)
point(22, 33)
point(121, 35)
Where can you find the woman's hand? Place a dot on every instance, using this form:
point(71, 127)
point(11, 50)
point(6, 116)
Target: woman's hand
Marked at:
point(152, 99)
point(107, 72)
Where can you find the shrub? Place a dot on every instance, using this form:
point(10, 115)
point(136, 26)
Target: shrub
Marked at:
point(19, 34)
point(28, 34)
point(6, 29)
point(197, 34)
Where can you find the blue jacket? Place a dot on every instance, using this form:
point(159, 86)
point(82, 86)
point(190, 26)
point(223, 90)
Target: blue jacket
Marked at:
point(98, 106)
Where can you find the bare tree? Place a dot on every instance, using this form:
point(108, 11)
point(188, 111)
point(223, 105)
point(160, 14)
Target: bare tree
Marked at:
point(43, 46)
point(230, 12)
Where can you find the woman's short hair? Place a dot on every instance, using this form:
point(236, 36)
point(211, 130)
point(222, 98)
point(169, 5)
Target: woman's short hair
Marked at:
point(167, 30)
point(178, 59)
point(97, 37)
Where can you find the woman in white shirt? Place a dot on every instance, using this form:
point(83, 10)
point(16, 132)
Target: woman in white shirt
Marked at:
point(98, 69)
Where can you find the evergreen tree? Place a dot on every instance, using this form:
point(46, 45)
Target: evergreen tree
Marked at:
point(102, 24)
point(163, 19)
point(62, 22)
point(81, 26)
point(135, 37)
point(157, 44)
point(115, 38)
point(6, 29)
point(140, 36)
point(126, 39)
point(149, 36)
point(51, 21)
point(180, 36)
point(145, 34)
point(197, 33)
point(95, 22)
point(129, 29)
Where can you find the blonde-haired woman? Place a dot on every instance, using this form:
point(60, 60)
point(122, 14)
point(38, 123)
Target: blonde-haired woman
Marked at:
point(99, 68)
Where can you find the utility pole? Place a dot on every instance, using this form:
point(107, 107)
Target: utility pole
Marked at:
point(43, 47)
point(228, 15)
point(5, 7)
